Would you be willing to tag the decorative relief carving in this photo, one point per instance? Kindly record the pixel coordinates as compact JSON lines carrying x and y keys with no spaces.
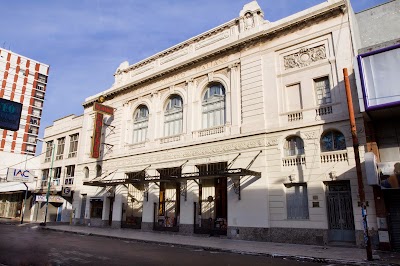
{"x":207,"y":151}
{"x":174,"y":56}
{"x":272,"y":142}
{"x":212,"y":40}
{"x":310,"y":135}
{"x":248,"y":21}
{"x":142,"y":70}
{"x":304,"y":57}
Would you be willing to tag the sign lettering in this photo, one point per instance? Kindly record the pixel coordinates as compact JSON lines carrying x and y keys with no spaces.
{"x":19,"y":175}
{"x":98,"y":125}
{"x":107,"y":110}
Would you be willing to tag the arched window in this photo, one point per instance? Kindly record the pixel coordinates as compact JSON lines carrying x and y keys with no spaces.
{"x":294,"y":145}
{"x":332,"y":140}
{"x":173,"y":116}
{"x":98,"y":170}
{"x":214,"y":106}
{"x":140,"y":124}
{"x":86,"y":172}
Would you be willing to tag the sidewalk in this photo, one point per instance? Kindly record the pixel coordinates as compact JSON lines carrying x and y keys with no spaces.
{"x":323,"y":254}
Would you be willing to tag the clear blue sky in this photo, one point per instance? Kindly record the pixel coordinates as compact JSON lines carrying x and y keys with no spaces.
{"x":84,"y":41}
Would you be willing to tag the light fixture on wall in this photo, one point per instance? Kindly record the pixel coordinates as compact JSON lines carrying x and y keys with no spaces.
{"x":332,"y":175}
{"x":292,"y":177}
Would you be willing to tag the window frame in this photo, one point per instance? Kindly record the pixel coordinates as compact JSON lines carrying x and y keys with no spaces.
{"x":60,"y":148}
{"x":173,"y":116}
{"x":290,"y":147}
{"x":324,"y":91}
{"x":297,"y":207}
{"x":140,"y":124}
{"x":73,"y":145}
{"x":49,"y":148}
{"x":213,"y":105}
{"x":323,"y":146}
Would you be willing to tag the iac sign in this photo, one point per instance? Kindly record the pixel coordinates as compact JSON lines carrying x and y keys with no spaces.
{"x":24,"y":174}
{"x":19,"y":175}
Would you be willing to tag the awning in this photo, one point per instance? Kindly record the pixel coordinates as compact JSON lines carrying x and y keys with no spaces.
{"x":141,"y":177}
{"x":15,"y":186}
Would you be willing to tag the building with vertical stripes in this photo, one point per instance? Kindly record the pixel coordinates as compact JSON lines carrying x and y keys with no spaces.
{"x":22,"y":80}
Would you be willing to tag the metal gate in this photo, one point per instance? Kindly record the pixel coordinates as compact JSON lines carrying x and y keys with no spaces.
{"x":340,"y":212}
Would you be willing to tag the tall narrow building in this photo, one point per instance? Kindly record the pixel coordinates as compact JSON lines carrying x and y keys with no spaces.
{"x":22,"y":80}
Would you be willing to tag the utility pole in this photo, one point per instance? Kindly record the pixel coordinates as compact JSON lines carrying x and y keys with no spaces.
{"x":356,"y":145}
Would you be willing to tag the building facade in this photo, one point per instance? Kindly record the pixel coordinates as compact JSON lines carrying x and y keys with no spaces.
{"x":377,"y":65}
{"x":240,"y":131}
{"x":24,"y":81}
{"x":58,"y":161}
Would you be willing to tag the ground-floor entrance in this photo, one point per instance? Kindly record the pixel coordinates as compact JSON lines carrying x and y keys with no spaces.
{"x":211,"y":211}
{"x":133,"y":211}
{"x":340,"y":212}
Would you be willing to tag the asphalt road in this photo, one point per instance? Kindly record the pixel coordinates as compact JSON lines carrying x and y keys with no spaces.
{"x":26,"y":245}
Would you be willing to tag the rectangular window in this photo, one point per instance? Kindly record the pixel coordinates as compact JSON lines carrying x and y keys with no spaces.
{"x":57,"y":176}
{"x":69,"y":178}
{"x":294,"y":101}
{"x":60,"y":148}
{"x":38,"y":103}
{"x":33,"y":130}
{"x":36,"y":112}
{"x":39,"y":94}
{"x":30,"y":148}
{"x":42,"y":78}
{"x":73,"y":145}
{"x":45,"y":176}
{"x":40,"y":87}
{"x":31,"y":139}
{"x":322,"y":90}
{"x":49,"y":147}
{"x":297,"y":201}
{"x":96,"y":208}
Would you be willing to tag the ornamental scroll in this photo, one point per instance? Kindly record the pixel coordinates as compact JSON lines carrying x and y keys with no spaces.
{"x":305,"y":57}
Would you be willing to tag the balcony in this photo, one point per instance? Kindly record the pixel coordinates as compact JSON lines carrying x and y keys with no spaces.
{"x":170,"y":139}
{"x":334,"y":156}
{"x":295,"y":116}
{"x":209,"y":131}
{"x":294,"y":160}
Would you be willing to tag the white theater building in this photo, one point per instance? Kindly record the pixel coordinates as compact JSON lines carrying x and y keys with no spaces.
{"x":241,"y":131}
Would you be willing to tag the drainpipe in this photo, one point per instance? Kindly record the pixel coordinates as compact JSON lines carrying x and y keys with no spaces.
{"x":361,"y":191}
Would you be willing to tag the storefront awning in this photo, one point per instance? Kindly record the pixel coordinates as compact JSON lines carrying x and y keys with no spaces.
{"x":141,"y":177}
{"x":15,"y":186}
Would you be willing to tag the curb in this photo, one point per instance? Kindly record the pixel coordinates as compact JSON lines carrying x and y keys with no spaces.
{"x":213,"y":249}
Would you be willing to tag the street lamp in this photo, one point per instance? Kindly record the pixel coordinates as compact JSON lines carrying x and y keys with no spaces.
{"x":48,"y":179}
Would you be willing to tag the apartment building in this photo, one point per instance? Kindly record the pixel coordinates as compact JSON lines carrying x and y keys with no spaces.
{"x":23,"y":82}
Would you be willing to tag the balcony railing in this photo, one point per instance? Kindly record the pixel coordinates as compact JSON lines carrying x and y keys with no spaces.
{"x":170,"y":139}
{"x":296,"y":116}
{"x":294,"y":160}
{"x":323,"y":111}
{"x":334,"y":156}
{"x":209,"y":131}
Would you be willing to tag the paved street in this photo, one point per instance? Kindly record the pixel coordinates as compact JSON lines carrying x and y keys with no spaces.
{"x":26,"y":245}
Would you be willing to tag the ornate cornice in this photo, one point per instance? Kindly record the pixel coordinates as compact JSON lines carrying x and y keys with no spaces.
{"x":328,"y":11}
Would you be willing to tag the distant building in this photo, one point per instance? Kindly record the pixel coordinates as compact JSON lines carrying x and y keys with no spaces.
{"x":24,"y":81}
